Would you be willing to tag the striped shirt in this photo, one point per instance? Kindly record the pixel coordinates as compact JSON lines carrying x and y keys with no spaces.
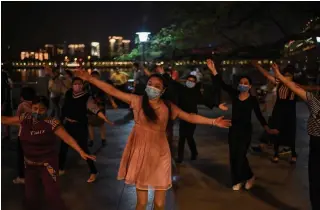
{"x":285,"y":93}
{"x":314,"y":120}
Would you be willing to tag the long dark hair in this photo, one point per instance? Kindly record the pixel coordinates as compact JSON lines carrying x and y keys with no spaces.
{"x":146,"y":107}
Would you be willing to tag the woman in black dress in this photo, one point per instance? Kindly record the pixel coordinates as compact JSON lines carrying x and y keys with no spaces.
{"x":284,"y":112}
{"x":241,"y":130}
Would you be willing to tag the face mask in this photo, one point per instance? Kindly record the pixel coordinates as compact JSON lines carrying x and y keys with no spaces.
{"x":243,"y":88}
{"x":39,"y":116}
{"x":190,"y":84}
{"x":152,"y":92}
{"x":77,"y":88}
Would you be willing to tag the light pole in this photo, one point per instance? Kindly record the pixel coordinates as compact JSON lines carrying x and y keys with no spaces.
{"x":143,"y":38}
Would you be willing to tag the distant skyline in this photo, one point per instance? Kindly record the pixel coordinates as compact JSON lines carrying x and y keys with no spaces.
{"x":28,"y":25}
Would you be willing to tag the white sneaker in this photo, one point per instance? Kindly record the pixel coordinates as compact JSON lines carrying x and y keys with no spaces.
{"x":249,"y":183}
{"x":18,"y":180}
{"x":237,"y":187}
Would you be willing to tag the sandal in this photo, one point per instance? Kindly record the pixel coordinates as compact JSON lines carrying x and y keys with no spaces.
{"x":92,"y":178}
{"x":275,"y":159}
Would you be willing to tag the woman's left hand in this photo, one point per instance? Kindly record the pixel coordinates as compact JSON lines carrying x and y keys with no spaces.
{"x":85,"y":156}
{"x":223,"y":107}
{"x":276,"y":70}
{"x":222,"y":123}
{"x":109,"y":122}
{"x":82,"y":74}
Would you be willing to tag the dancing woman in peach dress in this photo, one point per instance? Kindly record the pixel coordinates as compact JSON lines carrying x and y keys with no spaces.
{"x":146,"y":160}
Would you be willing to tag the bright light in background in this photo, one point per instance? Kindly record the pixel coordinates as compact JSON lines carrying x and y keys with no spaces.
{"x":143,"y":36}
{"x":318,"y":39}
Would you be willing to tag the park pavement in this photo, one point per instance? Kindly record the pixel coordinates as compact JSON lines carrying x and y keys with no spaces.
{"x":203,"y":184}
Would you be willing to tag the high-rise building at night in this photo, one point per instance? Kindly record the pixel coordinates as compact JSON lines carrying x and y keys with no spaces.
{"x":126,"y":46}
{"x":40,"y":55}
{"x":95,"y":49}
{"x":76,"y":50}
{"x":115,"y":46}
{"x":50,"y":50}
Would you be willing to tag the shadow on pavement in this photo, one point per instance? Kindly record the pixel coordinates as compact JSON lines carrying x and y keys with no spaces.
{"x":217,"y":171}
{"x":262,"y":194}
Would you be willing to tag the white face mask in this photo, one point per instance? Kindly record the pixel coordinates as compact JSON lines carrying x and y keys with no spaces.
{"x":190,"y":84}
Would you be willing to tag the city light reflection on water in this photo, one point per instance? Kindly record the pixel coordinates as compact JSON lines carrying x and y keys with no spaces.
{"x":31,"y":75}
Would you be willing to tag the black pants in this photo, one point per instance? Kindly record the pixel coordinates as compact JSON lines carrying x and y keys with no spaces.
{"x":186,"y":131}
{"x":56,"y":110}
{"x":39,"y":174}
{"x":20,"y":160}
{"x":314,"y":172}
{"x":239,"y":142}
{"x":79,"y":132}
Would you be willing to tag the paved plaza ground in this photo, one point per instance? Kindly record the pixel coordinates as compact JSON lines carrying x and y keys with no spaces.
{"x":203,"y":184}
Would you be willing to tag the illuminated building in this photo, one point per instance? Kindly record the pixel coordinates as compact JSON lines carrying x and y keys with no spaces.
{"x":50,"y":49}
{"x":115,"y":46}
{"x":40,"y":55}
{"x":76,"y":50}
{"x":126,"y":46}
{"x":95,"y":49}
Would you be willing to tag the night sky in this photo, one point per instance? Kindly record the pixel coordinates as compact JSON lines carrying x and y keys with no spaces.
{"x":30,"y":25}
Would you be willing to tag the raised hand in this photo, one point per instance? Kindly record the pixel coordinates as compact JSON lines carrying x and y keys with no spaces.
{"x":222,"y":123}
{"x":276,"y":70}
{"x":223,"y":107}
{"x":211,"y":65}
{"x":84,"y":75}
{"x":255,"y":63}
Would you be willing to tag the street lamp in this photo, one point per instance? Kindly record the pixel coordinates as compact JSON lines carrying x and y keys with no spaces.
{"x":143,"y":37}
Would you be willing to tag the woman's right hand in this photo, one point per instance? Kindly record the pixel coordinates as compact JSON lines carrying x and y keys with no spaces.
{"x":211,"y":65}
{"x":221,"y":122}
{"x":82,"y":74}
{"x":85,"y":156}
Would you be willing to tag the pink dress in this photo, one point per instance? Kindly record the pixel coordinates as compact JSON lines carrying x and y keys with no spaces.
{"x":146,"y":160}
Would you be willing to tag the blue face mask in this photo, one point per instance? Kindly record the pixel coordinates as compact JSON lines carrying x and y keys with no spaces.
{"x":39,"y":116}
{"x":190,"y":84}
{"x":152,"y":92}
{"x":243,"y":88}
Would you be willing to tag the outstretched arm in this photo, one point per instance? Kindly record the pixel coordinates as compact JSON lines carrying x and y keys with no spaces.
{"x":94,"y":108}
{"x":15,"y":120}
{"x":217,"y":80}
{"x":264,"y":72}
{"x":291,"y":85}
{"x":64,"y":136}
{"x":198,"y":119}
{"x":105,"y":87}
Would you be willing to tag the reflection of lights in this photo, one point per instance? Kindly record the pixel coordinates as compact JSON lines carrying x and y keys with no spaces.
{"x":288,"y":61}
{"x":62,"y":64}
{"x":49,"y":63}
{"x":112,"y":41}
{"x":318,"y":39}
{"x":89,"y":57}
{"x":143,"y":36}
{"x":24,"y":64}
{"x":75,"y":59}
{"x":259,"y":62}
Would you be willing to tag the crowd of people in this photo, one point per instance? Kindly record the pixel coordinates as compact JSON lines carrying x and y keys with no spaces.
{"x":158,"y":98}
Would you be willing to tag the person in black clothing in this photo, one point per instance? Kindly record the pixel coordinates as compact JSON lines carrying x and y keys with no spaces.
{"x":189,"y":96}
{"x":94,"y":121}
{"x":313,"y":102}
{"x":74,"y":114}
{"x":241,"y":130}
